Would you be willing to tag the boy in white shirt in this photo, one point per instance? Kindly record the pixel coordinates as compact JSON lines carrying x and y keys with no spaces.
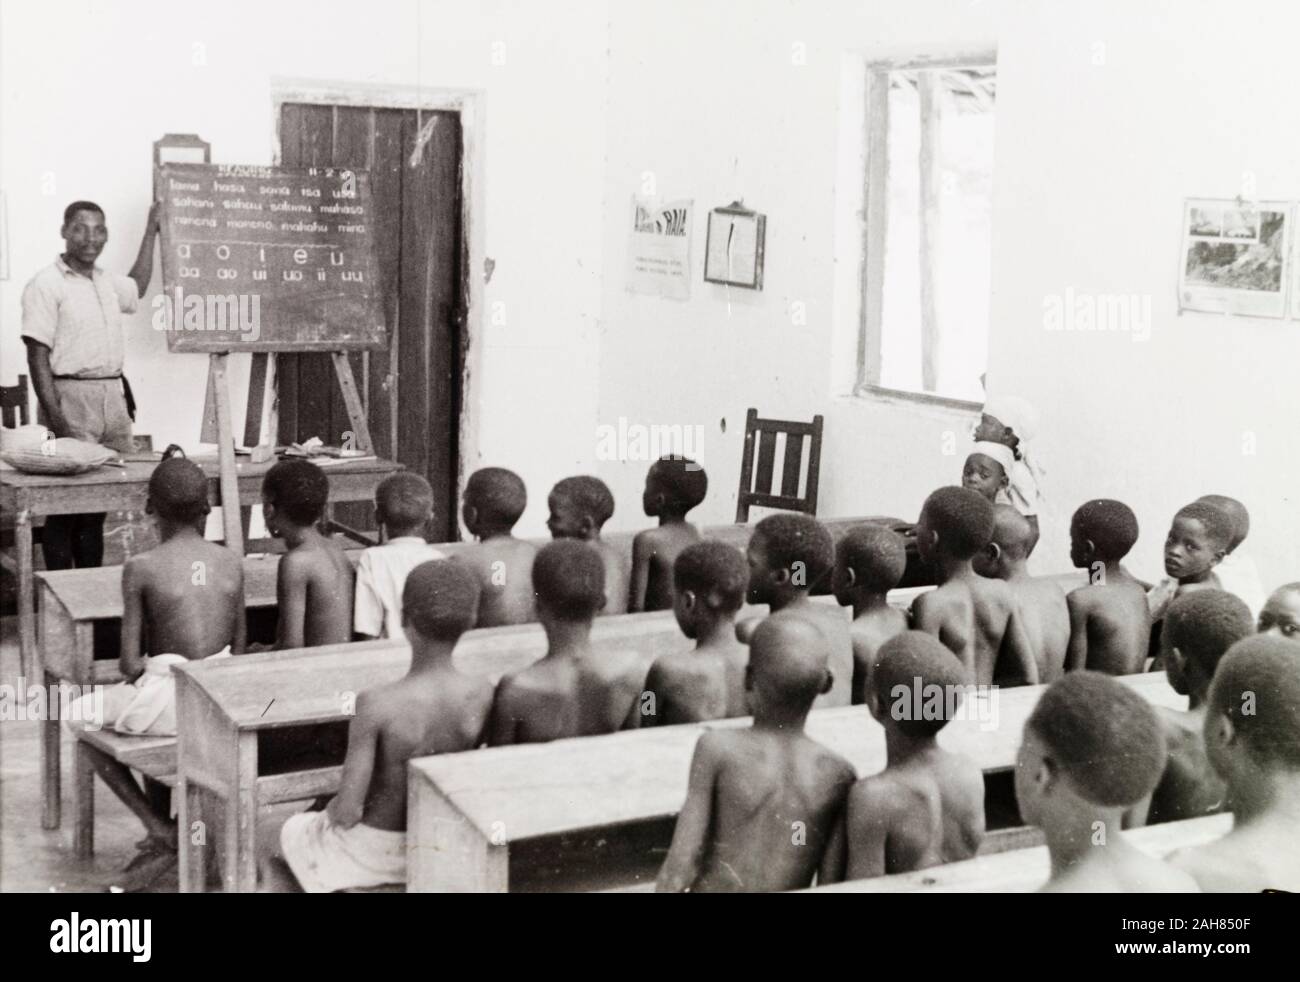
{"x":403,"y":507}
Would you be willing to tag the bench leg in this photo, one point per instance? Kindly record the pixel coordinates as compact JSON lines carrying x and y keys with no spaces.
{"x":51,"y":777}
{"x":83,"y":797}
{"x":194,"y":838}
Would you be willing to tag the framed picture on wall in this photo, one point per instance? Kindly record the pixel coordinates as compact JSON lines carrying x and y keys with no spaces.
{"x":1235,"y":257}
{"x":733,"y":254}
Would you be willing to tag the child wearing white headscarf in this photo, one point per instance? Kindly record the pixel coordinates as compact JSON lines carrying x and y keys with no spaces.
{"x":1012,"y":421}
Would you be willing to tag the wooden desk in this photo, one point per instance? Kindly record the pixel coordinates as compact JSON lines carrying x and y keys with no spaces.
{"x":29,"y":496}
{"x":69,"y":602}
{"x":467,"y":810}
{"x":1025,"y":870}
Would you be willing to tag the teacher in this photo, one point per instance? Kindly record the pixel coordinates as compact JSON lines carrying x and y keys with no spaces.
{"x":72,"y":326}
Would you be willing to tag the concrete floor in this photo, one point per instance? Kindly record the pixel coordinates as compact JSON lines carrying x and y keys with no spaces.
{"x":31,"y":858}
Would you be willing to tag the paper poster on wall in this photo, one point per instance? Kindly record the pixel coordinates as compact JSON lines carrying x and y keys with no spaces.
{"x":659,"y":249}
{"x":1235,"y":257}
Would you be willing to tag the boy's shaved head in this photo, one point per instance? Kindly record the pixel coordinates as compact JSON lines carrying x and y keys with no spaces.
{"x":1109,"y":525}
{"x":1012,"y":532}
{"x":1203,"y":625}
{"x":1102,"y":736}
{"x":569,"y":579}
{"x":588,"y":495}
{"x":298,"y":489}
{"x":682,"y":482}
{"x":1219,"y":526}
{"x":791,"y":538}
{"x":963,"y":519}
{"x":715,"y":572}
{"x":498,"y":495}
{"x":876,"y":554}
{"x":910,"y":662}
{"x":404,"y":500}
{"x":178,"y":489}
{"x":1236,"y":511}
{"x":788,"y":661}
{"x":440,"y":599}
{"x":1257,"y":686}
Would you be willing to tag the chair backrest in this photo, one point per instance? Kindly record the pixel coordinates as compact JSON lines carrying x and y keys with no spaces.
{"x":13,"y":403}
{"x":756,"y":471}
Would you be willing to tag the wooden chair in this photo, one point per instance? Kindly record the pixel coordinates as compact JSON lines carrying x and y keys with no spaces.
{"x":756,"y":481}
{"x":14,"y":404}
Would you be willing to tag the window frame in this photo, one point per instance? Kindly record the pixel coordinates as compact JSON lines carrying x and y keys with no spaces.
{"x":875,"y":220}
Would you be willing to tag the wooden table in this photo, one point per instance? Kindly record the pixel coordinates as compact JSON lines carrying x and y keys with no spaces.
{"x":467,"y":810}
{"x":105,"y":489}
{"x":68,"y":604}
{"x":1024,"y":870}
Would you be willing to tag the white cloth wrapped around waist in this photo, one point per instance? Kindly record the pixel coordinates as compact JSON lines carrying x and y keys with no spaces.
{"x":151,"y":706}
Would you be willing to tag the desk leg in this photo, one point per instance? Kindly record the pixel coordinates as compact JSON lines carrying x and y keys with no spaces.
{"x":83,"y":793}
{"x":240,"y":874}
{"x":193,"y":855}
{"x":51,"y":745}
{"x":26,"y":597}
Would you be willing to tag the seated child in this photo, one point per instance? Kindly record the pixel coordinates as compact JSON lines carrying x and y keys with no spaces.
{"x":707,"y":682}
{"x":580,"y":507}
{"x":986,"y":470}
{"x":1197,"y":542}
{"x":1252,"y":736}
{"x":927,"y":806}
{"x":359,"y":840}
{"x":1280,"y":615}
{"x":764,"y":807}
{"x":1013,"y":421}
{"x":673,"y":487}
{"x":977,"y":618}
{"x":494,"y":500}
{"x":1091,"y":749}
{"x":789,"y":554}
{"x":573,"y":690}
{"x":181,"y":600}
{"x":1198,"y":629}
{"x":1042,"y":601}
{"x":1110,"y":627}
{"x":869,"y":562}
{"x":314,"y":581}
{"x":403,"y":507}
{"x":1236,"y":572}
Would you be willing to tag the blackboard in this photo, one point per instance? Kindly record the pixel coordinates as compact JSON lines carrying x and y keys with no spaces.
{"x":268,"y":259}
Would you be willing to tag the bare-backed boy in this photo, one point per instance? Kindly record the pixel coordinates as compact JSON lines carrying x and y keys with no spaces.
{"x":1198,"y":539}
{"x":1110,"y":625}
{"x":403,"y":508}
{"x":1252,"y":735}
{"x":764,"y":806}
{"x":789,"y":555}
{"x":927,"y":806}
{"x":1042,"y":600}
{"x":494,"y":500}
{"x":580,"y":507}
{"x":574,"y":690}
{"x":869,"y":562}
{"x":359,"y":840}
{"x":708,"y":681}
{"x":977,"y":618}
{"x":1198,"y":629}
{"x":673,"y":487}
{"x":314,"y":584}
{"x":184,"y":600}
{"x":1093,"y":748}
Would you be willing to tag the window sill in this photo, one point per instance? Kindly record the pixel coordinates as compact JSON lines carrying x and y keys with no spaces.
{"x":901,"y":397}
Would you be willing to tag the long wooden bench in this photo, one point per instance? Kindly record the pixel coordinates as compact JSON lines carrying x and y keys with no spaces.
{"x":471,"y":813}
{"x":71,"y":602}
{"x":1024,"y":870}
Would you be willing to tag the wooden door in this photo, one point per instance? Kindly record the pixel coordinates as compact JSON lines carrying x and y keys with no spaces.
{"x":412,"y":390}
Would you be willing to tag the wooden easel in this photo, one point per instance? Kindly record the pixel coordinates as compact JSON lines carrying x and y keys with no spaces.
{"x":261,"y":425}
